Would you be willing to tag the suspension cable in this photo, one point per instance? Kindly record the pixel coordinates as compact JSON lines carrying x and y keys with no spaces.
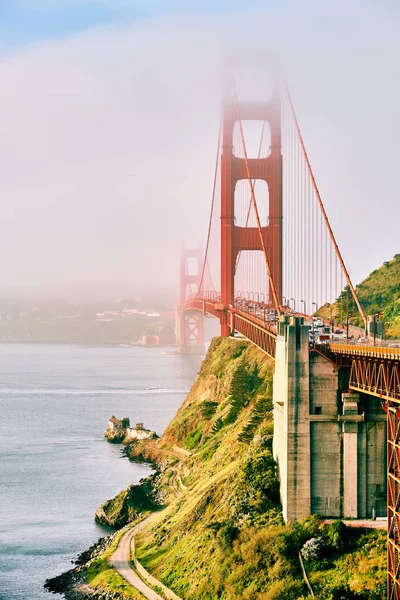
{"x":314,"y":184}
{"x":211,"y":210}
{"x":253,"y":199}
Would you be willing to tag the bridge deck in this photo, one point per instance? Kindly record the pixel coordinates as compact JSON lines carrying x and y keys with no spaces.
{"x":380,"y":352}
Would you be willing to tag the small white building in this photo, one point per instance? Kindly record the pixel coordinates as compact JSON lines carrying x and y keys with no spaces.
{"x":111,"y":425}
{"x":115,"y":424}
{"x":140,"y":433}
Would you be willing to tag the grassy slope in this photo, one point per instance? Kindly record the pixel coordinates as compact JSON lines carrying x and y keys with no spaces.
{"x":101,"y":575}
{"x":379,"y":292}
{"x":224,"y":538}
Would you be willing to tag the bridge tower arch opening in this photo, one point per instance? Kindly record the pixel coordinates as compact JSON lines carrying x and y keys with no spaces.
{"x":267,"y":167}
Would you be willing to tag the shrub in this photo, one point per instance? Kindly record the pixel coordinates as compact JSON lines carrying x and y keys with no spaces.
{"x":260,"y":473}
{"x":209,"y":451}
{"x":243,"y":383}
{"x":208,"y":409}
{"x":227,"y":535}
{"x":313,"y":549}
{"x":192,"y":440}
{"x":340,"y":592}
{"x":336,"y":534}
{"x":217,"y":425}
{"x":262,"y":408}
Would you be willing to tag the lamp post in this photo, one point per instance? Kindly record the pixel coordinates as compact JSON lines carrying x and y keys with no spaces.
{"x":304,"y":306}
{"x":347,"y":326}
{"x":376,"y":315}
{"x":312,"y":317}
{"x":374,"y":329}
{"x":294,"y":304}
{"x":330,"y":311}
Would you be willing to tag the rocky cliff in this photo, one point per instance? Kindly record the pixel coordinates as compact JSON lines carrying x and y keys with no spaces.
{"x":221,"y":535}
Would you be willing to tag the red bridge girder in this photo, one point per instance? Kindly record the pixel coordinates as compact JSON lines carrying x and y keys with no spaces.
{"x":393,"y":453}
{"x":254,"y":330}
{"x":258,"y":332}
{"x":377,"y":377}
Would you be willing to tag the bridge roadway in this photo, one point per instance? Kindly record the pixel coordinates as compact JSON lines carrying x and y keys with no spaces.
{"x":374,"y":369}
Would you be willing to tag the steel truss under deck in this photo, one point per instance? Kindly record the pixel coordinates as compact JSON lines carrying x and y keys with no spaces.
{"x":377,"y":377}
{"x":393,"y":453}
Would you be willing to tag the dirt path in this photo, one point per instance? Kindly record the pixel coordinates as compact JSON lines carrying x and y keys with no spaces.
{"x":121,"y":557}
{"x":368,"y":523}
{"x":120,"y":560}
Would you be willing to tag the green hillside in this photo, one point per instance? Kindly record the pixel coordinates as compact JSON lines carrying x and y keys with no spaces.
{"x":378,"y":293}
{"x":222,"y":537}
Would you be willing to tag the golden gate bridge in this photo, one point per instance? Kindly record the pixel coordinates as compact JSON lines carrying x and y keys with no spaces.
{"x":271,"y":257}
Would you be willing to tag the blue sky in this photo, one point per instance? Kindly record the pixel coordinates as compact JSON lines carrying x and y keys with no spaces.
{"x":26,"y":21}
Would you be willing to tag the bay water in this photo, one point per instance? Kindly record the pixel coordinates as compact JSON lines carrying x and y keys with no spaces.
{"x":55,"y":466}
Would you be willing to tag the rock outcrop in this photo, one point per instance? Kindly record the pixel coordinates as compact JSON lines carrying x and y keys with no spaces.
{"x":128,"y":505}
{"x":115,"y":437}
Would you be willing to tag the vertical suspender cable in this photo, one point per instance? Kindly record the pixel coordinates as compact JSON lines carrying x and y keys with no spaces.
{"x":350,"y":284}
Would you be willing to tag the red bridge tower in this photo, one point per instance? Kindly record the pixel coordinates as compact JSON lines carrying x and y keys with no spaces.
{"x":190,"y":322}
{"x":235,"y":239}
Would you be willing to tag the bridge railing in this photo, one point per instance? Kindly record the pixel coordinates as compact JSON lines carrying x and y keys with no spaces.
{"x":212,"y":295}
{"x":366,"y":349}
{"x":254,"y":329}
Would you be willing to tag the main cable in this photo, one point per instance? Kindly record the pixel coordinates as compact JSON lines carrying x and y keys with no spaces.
{"x":211,"y":211}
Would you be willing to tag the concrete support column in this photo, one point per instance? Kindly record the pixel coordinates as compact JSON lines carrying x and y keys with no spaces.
{"x":350,"y":454}
{"x":292,"y":417}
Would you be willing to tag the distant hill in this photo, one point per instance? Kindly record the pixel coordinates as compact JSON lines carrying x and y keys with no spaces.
{"x":378,"y":293}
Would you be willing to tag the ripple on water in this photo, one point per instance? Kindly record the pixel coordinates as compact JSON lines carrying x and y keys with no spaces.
{"x":56,"y":466}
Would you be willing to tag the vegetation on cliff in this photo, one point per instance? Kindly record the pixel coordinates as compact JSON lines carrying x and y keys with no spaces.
{"x":221,"y":535}
{"x":378,"y":293}
{"x":131,"y":504}
{"x":224,"y":538}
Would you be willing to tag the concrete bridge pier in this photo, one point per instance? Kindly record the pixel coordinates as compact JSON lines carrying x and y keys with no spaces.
{"x":329,"y":444}
{"x":292,"y":444}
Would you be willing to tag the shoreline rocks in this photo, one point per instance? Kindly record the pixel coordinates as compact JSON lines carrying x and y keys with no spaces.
{"x":115,"y":437}
{"x":127,"y":506}
{"x":73,"y":584}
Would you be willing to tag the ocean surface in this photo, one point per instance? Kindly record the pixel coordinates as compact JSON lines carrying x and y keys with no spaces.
{"x":55,"y":466}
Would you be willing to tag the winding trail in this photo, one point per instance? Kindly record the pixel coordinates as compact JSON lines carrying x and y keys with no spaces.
{"x":123,"y":556}
{"x":120,"y":560}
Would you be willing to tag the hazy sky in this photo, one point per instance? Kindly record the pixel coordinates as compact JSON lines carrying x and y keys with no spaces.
{"x":108,"y":125}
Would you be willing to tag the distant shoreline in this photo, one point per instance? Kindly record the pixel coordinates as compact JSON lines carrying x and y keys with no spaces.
{"x":88,"y":344}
